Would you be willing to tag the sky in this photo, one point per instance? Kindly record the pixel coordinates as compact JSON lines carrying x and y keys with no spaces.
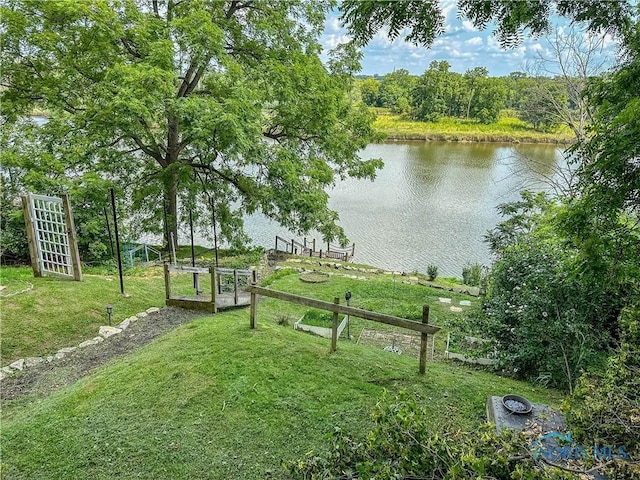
{"x":462,"y":45}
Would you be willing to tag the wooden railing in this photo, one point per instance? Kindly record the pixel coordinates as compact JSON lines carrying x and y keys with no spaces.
{"x":217,"y":297}
{"x":309,"y":249}
{"x":423,"y":327}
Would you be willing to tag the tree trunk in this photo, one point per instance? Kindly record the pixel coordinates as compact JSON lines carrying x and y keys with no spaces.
{"x":171,"y":205}
{"x":171,"y":182}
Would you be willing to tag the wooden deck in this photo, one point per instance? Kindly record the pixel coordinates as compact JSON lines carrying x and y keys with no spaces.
{"x":224,"y":301}
{"x":218,"y":298}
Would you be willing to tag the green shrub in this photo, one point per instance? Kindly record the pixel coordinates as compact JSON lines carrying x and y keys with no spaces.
{"x":404,"y":443}
{"x":473,"y":274}
{"x":432,"y":272}
{"x":605,"y":408}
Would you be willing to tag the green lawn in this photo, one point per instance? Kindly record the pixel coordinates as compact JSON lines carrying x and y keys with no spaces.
{"x":214,"y":399}
{"x":53,"y":312}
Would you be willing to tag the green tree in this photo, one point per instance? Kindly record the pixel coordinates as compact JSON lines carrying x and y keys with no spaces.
{"x":548,"y":318}
{"x":170,"y":98}
{"x":486,"y":95}
{"x":369,"y":88}
{"x":538,"y":105}
{"x":395,"y":90}
{"x":438,"y":92}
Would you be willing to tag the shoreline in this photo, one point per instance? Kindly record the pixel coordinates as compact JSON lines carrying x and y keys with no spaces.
{"x":472,"y":138}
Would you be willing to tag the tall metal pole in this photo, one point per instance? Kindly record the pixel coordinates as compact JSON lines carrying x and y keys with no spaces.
{"x":193,"y":251}
{"x":115,"y":228}
{"x":106,"y":219}
{"x":215,"y":231}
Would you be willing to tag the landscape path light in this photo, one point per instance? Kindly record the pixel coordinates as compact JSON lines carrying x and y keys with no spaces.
{"x":347,"y":297}
{"x":109,"y":310}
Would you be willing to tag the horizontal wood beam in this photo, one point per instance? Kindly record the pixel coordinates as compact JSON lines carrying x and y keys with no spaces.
{"x":343,"y":309}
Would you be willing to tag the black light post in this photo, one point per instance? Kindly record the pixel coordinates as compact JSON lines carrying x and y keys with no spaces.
{"x":109,"y":310}
{"x":347,"y":297}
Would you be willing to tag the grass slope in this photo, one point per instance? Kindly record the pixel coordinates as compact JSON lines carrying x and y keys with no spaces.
{"x":58,"y":312}
{"x":214,"y":399}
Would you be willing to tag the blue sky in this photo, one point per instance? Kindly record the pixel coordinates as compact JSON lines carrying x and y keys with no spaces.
{"x":462,"y":45}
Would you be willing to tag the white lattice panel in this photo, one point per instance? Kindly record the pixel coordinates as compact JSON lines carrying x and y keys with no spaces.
{"x":51,"y":239}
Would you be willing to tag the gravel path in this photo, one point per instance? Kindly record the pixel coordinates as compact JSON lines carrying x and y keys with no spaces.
{"x":41,"y":380}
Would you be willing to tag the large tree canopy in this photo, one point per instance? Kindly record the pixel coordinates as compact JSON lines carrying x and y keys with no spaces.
{"x":168,"y":98}
{"x":423,"y":20}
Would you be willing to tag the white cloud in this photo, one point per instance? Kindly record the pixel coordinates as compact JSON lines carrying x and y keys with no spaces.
{"x":468,"y":26}
{"x":475,"y":41}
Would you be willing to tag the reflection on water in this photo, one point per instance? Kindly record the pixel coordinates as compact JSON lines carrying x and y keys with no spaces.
{"x":431,"y":204}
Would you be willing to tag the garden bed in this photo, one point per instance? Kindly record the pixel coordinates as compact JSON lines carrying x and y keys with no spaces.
{"x":320,"y":323}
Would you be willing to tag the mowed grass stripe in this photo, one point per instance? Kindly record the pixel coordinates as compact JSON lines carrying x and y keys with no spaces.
{"x":214,"y":399}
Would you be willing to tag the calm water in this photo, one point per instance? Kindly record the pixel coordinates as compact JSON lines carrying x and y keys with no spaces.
{"x":431,"y":204}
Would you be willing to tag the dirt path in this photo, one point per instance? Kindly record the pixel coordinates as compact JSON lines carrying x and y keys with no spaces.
{"x":43,"y":379}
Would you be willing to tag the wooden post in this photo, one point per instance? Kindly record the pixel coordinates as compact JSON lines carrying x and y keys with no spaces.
{"x":292,"y":246}
{"x":212,"y":270}
{"x":314,"y":244}
{"x":167,"y":282}
{"x":218,"y":277}
{"x":276,"y":243}
{"x":235,"y":287}
{"x":71,"y":235}
{"x":334,"y":327}
{"x":423,"y":341}
{"x":254,"y":302}
{"x":31,"y":239}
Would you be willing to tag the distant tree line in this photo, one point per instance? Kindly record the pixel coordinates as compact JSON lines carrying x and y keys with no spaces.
{"x":440,"y":92}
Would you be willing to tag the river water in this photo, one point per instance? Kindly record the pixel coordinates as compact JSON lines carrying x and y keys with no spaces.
{"x":432,"y":203}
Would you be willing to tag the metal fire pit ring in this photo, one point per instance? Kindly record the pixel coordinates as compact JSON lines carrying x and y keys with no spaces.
{"x":516,"y":404}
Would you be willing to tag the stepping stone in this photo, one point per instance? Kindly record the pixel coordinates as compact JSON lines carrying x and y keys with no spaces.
{"x":455,"y":309}
{"x":444,"y":300}
{"x":17,"y":365}
{"x":124,"y":324}
{"x":465,"y":303}
{"x":32,"y":361}
{"x":87,"y":343}
{"x":106,"y":331}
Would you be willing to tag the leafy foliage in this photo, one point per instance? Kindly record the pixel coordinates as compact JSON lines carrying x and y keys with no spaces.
{"x":424,"y":19}
{"x":545,"y":308}
{"x":432,"y":272}
{"x":605,"y":407}
{"x":403,"y":443}
{"x":223,"y":105}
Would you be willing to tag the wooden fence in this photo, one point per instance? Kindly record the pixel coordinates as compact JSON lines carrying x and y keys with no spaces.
{"x":423,"y":327}
{"x":309,"y":249}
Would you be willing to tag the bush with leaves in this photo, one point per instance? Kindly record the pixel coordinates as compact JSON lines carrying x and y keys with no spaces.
{"x":432,"y":272}
{"x":605,"y":408}
{"x":404,"y":443}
